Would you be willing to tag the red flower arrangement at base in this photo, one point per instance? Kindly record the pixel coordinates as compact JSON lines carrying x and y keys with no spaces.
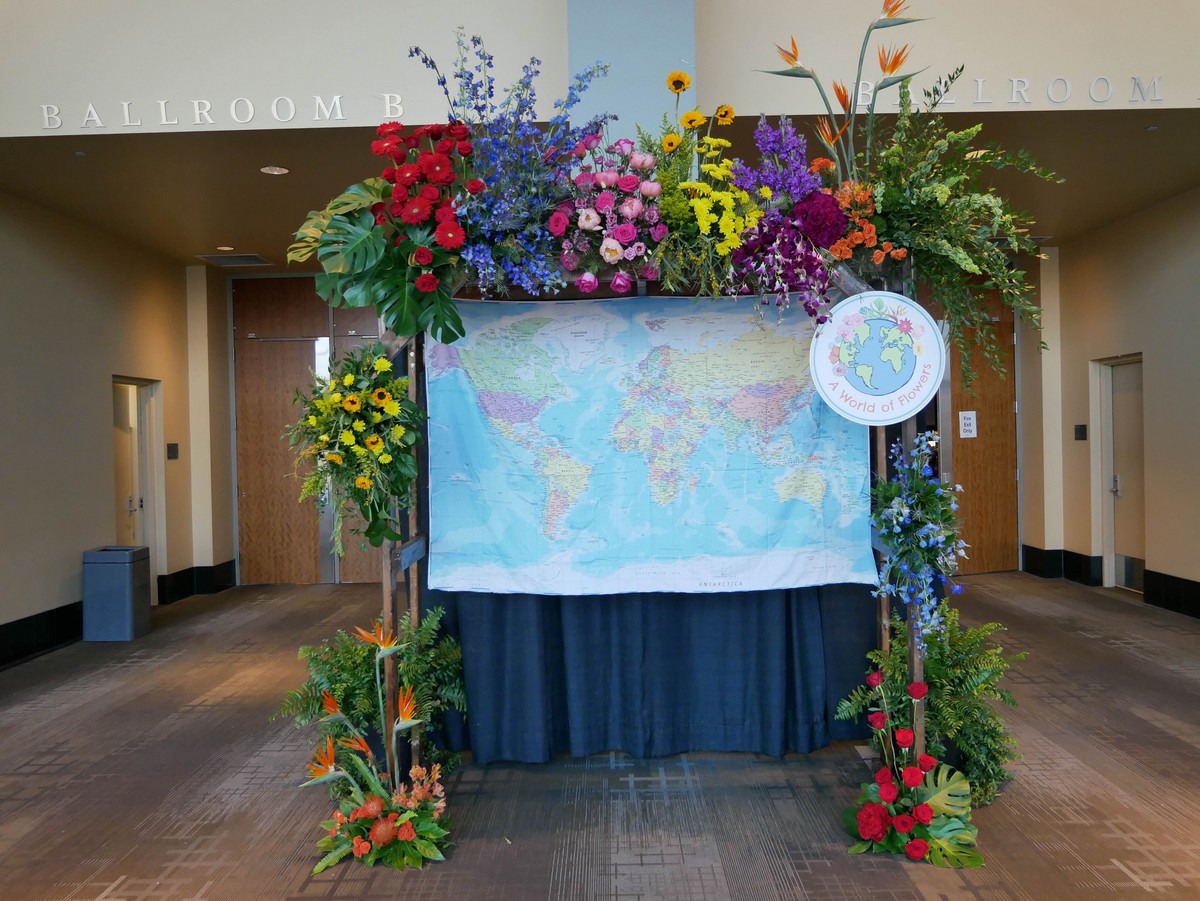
{"x":915,"y":805}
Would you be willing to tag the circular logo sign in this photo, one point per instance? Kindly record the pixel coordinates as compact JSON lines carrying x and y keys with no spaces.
{"x":879,"y":359}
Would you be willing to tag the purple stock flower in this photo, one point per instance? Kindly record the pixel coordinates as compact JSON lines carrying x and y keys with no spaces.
{"x":784,"y":164}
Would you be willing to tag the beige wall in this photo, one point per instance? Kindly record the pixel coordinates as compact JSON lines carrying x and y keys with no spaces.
{"x":78,"y":308}
{"x":1131,"y":288}
{"x":220,"y":419}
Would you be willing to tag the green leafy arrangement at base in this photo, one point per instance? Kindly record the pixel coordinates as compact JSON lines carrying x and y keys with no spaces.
{"x":357,"y":430}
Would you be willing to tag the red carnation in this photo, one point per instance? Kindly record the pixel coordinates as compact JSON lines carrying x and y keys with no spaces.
{"x":389,"y":128}
{"x":423,"y":256}
{"x":877,"y":720}
{"x":888,"y":793}
{"x":388,"y":175}
{"x":416,"y":211}
{"x":450,"y":235}
{"x":475,"y":186}
{"x":408,"y":174}
{"x":382,"y":833}
{"x":465,"y":148}
{"x":405,"y":831}
{"x":912,"y":776}
{"x":917,"y":849}
{"x":926,"y":763}
{"x":444,"y":146}
{"x":874,"y":679}
{"x":399,"y":192}
{"x":435,"y":132}
{"x":430,"y":193}
{"x":411,"y":142}
{"x":446,"y":213}
{"x":884,"y":776}
{"x":917,"y":690}
{"x":904,"y":738}
{"x":903,"y":823}
{"x":923,"y":814}
{"x":426,"y":283}
{"x":873,"y":822}
{"x":458,"y":131}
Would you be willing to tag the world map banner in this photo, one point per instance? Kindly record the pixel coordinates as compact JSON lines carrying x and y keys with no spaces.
{"x":639,"y":445}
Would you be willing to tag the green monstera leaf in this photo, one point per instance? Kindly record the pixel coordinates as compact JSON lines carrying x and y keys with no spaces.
{"x":952,"y":844}
{"x":948,"y":792}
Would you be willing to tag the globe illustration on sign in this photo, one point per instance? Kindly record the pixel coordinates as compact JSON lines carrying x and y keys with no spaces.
{"x":878,"y":355}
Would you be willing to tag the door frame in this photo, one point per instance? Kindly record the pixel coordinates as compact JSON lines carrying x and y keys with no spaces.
{"x":1103,"y":499}
{"x":151,"y":453}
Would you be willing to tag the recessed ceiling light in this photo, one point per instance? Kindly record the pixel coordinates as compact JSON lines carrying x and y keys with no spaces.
{"x":225,"y":247}
{"x":1151,"y":128}
{"x":274,"y":170}
{"x":81,"y":153}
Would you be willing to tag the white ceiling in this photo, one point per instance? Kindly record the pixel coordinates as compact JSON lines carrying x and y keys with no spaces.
{"x":183,"y":195}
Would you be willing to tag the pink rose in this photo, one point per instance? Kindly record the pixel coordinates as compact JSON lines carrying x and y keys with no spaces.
{"x":649,"y":271}
{"x":558,"y":223}
{"x":631,"y":208}
{"x":628,"y":183}
{"x":642,"y":161}
{"x":605,"y":201}
{"x":658,"y":232}
{"x":623,"y":146}
{"x":620,"y":283}
{"x":585,"y":180}
{"x":606,"y":178}
{"x":589,"y":220}
{"x":580,"y":151}
{"x":626,"y":233}
{"x":587,"y":282}
{"x":591,"y":142}
{"x":651,"y":189}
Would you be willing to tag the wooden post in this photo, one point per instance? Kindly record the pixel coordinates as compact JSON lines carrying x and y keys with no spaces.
{"x":412,"y":576}
{"x":916,"y":673}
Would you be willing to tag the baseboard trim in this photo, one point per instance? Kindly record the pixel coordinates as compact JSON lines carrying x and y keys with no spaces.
{"x":1172,"y":593}
{"x":1039,"y":562}
{"x":34,"y":635}
{"x":196,"y":580}
{"x":1083,"y":569}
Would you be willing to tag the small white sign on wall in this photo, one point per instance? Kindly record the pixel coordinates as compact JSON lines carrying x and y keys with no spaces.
{"x":966,"y":424}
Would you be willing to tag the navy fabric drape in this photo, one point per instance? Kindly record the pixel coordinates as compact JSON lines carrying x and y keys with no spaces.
{"x":656,"y":674}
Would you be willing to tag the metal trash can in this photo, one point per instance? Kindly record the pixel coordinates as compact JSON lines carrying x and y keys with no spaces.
{"x":116,"y":593}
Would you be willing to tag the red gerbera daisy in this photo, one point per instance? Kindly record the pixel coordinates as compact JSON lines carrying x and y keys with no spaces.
{"x":408,"y":175}
{"x":450,"y":235}
{"x":416,"y":210}
{"x":437,"y":168}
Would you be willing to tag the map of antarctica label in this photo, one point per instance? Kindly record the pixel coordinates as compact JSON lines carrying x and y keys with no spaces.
{"x":879,"y":359}
{"x":640,"y":445}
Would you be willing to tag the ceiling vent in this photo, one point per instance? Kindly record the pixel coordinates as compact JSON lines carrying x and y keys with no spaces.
{"x":234,"y":260}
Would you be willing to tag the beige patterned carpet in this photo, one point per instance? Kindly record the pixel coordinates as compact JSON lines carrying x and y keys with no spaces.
{"x":149,"y":771}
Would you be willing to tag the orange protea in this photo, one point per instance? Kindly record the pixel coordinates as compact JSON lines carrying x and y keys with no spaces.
{"x":372,"y":807}
{"x":825,"y":131}
{"x":382,"y":833}
{"x":356,"y":744}
{"x":893,"y":9}
{"x":791,"y":57}
{"x":377,"y":637}
{"x":891,"y":59}
{"x":323,"y":760}
{"x":329,"y":702}
{"x":843,"y":96}
{"x":407,"y":704}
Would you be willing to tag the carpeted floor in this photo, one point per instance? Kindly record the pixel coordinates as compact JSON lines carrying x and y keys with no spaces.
{"x":150,"y":771}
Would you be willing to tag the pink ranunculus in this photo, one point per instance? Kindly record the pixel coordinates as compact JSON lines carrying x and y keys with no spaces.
{"x":606,"y":178}
{"x":631,"y":208}
{"x":585,"y":180}
{"x":643,"y":162}
{"x":624,"y":146}
{"x":611,"y":251}
{"x":626,"y":233}
{"x":621,"y":283}
{"x":605,"y":201}
{"x":558,"y":223}
{"x":591,"y":142}
{"x":659,"y":231}
{"x":650,"y":189}
{"x":628,"y":183}
{"x":587,"y":282}
{"x":589,"y":220}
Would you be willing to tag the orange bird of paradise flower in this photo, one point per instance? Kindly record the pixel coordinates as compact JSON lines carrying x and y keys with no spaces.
{"x":323,"y":761}
{"x":406,"y":706}
{"x":891,"y":59}
{"x":356,"y":744}
{"x":893,"y":9}
{"x":792,"y":57}
{"x":329,"y":702}
{"x":377,"y":637}
{"x":843,"y":96}
{"x":825,"y":131}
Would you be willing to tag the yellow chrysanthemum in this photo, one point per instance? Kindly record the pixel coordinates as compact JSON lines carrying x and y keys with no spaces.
{"x":325,"y":438}
{"x":716,"y":143}
{"x":392,"y":408}
{"x":364,"y":483}
{"x":671,"y":142}
{"x":347,"y":437}
{"x":678,"y":82}
{"x":336,"y":397}
{"x":724,"y":114}
{"x":765,"y":192}
{"x":358,"y":425}
{"x":359,"y":451}
{"x":385,"y":458}
{"x":398,"y":432}
{"x":375,"y":445}
{"x":312,"y":421}
{"x":692,"y":119}
{"x":382,"y":364}
{"x":715,"y":171}
{"x":376,"y":417}
{"x":701,"y":188}
{"x":348,"y":379}
{"x":335,"y":459}
{"x":352,"y":404}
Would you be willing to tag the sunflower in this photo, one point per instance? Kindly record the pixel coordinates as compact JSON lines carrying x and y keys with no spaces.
{"x":678,"y":82}
{"x":724,"y":114}
{"x":375,"y":445}
{"x":380,"y":396}
{"x":671,"y":142}
{"x":336,"y":459}
{"x":364,"y":483}
{"x":693,"y":119}
{"x":351,"y":403}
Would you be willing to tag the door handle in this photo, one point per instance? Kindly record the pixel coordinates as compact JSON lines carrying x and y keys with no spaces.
{"x":1116,"y":485}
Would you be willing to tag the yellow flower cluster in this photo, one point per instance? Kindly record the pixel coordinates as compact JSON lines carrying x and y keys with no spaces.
{"x":716,"y":201}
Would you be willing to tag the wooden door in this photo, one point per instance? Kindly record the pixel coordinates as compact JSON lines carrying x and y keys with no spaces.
{"x":276,"y":326}
{"x":986,"y":465}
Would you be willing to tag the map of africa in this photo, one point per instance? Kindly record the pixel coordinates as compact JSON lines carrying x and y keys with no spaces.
{"x":648,"y":444}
